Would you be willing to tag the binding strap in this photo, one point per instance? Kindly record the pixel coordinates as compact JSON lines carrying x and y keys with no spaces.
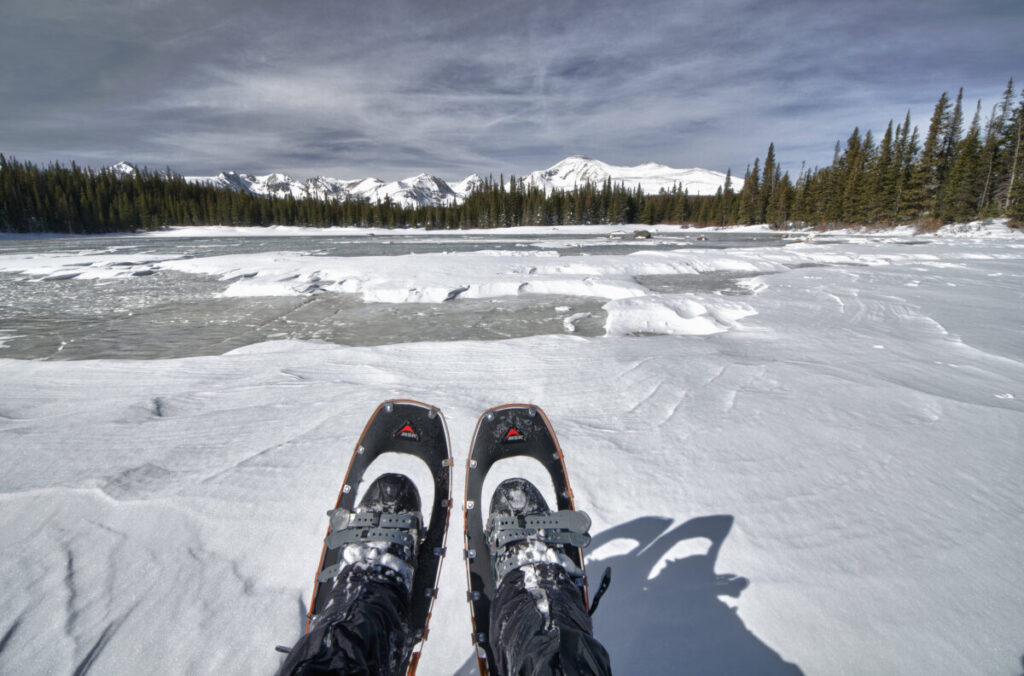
{"x":564,"y":527}
{"x":348,"y":528}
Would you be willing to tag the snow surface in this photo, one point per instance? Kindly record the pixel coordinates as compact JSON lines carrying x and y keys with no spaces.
{"x":823,"y":473}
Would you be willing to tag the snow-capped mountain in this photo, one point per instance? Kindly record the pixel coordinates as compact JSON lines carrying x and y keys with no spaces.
{"x":122,"y":169}
{"x":421,"y":190}
{"x":578,"y":170}
{"x":429,"y":190}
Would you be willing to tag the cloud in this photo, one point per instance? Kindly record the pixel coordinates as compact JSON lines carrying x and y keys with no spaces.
{"x":395,"y":87}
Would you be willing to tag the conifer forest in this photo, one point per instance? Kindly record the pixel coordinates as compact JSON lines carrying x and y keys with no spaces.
{"x":967,"y":164}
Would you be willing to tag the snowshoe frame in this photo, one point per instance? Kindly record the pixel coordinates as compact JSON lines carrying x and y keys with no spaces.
{"x":419,"y":430}
{"x":505,"y":431}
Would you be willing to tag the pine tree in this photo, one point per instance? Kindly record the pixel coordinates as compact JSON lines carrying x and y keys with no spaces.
{"x":994,"y":154}
{"x":882,"y":188}
{"x":1014,"y":205}
{"x":750,"y":195}
{"x":769,"y":181}
{"x":929,"y":172}
{"x":963,"y":186}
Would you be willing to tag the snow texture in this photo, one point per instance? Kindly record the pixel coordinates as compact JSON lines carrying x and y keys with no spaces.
{"x":824,"y":473}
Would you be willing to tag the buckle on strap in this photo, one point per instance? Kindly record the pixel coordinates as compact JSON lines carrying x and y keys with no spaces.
{"x":343,"y":518}
{"x":355,"y":534}
{"x":348,"y":527}
{"x":565,"y":527}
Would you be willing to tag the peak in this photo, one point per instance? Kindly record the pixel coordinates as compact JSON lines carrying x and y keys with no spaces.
{"x":276,"y":177}
{"x":576,"y":159}
{"x":123,"y":167}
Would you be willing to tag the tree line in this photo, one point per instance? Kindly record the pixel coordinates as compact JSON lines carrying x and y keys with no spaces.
{"x":951,"y":175}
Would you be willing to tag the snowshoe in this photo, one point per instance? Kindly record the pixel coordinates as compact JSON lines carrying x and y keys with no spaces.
{"x":521,"y":531}
{"x":384,"y":539}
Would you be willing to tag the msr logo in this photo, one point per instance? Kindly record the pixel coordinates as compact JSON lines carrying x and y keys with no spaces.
{"x":408,"y":432}
{"x":513,"y":434}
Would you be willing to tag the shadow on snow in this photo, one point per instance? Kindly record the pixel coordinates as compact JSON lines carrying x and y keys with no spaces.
{"x":675,"y":622}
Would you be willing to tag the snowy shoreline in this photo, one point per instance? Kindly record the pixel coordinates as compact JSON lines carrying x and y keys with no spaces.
{"x":986,"y":228}
{"x":828,"y":479}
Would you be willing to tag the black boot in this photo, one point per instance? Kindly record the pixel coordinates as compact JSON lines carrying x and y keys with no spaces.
{"x":363,"y":627}
{"x":514,"y":498}
{"x":539,"y":621}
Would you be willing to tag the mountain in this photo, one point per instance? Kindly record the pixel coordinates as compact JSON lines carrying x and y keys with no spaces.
{"x":122,"y":169}
{"x":578,"y":170}
{"x":421,"y":190}
{"x":429,"y":190}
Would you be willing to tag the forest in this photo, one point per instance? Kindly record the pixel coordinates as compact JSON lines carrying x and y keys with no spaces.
{"x":956,"y":172}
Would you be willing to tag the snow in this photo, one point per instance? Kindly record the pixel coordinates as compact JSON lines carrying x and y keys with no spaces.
{"x":824,"y":472}
{"x":577,"y":171}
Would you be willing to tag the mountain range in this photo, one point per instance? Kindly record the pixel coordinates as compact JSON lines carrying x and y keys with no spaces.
{"x":429,"y":190}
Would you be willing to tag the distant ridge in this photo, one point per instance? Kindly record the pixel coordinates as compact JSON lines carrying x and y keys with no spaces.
{"x":428,"y":190}
{"x":578,"y":170}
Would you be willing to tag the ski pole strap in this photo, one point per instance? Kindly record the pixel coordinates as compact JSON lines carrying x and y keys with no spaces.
{"x":606,"y":581}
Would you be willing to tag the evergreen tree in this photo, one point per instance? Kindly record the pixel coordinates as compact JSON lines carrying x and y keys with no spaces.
{"x":750,"y":195}
{"x":963,"y":187}
{"x":1014,"y":205}
{"x":882,"y":187}
{"x":929,"y":172}
{"x":768,"y":183}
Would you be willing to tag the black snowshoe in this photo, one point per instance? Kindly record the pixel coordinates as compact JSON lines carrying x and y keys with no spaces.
{"x":523,"y":544}
{"x":379,"y":557}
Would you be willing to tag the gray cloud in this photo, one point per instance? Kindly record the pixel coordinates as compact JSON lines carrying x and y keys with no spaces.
{"x":395,"y":87}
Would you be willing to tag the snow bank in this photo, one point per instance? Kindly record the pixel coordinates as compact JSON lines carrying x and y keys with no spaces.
{"x":672,"y":315}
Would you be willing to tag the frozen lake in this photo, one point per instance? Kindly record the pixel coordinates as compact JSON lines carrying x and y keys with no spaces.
{"x":142,"y":311}
{"x":801,"y":454}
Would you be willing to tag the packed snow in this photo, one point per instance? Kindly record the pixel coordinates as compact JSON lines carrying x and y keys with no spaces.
{"x":820,"y":473}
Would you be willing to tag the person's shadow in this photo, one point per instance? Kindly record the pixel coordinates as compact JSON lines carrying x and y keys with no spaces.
{"x":675,"y":622}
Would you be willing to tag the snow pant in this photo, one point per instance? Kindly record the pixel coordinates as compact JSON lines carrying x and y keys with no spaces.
{"x":538,"y":619}
{"x":363,"y":631}
{"x":541,"y":627}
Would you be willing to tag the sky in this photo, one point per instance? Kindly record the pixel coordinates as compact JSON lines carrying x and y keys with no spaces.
{"x":392,"y":88}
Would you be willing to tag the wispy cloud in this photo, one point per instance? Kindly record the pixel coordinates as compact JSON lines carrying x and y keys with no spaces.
{"x":395,"y":87}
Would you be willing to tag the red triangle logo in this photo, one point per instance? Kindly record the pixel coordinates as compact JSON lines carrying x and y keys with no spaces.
{"x":514,"y":435}
{"x":407,"y":432}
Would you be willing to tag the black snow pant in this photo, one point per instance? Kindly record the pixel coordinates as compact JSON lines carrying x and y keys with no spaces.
{"x":541,"y":627}
{"x":363,"y":631}
{"x":539,"y":621}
